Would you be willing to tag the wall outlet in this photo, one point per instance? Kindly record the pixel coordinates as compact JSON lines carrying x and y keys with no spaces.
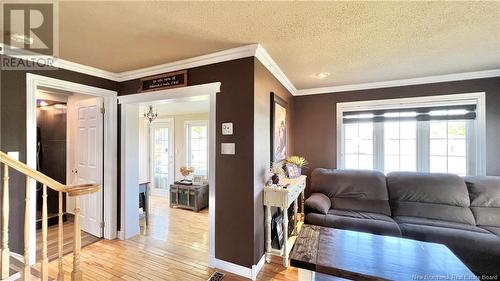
{"x":227,"y":129}
{"x":228,"y":148}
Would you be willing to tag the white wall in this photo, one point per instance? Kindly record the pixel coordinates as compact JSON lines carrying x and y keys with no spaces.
{"x":180,"y":143}
{"x":143,"y":150}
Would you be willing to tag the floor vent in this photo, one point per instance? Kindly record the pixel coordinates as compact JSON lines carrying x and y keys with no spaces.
{"x":216,"y":276}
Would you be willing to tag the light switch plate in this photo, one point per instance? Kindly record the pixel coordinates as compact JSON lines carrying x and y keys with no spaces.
{"x":228,"y":148}
{"x":227,"y":129}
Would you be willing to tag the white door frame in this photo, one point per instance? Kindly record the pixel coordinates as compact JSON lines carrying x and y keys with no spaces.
{"x":160,"y":123}
{"x":34,"y":81}
{"x":176,"y":94}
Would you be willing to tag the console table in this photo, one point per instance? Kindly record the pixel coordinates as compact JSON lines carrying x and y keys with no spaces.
{"x":282,"y":197}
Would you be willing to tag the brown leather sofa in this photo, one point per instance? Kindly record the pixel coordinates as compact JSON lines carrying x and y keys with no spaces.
{"x":463,"y":214}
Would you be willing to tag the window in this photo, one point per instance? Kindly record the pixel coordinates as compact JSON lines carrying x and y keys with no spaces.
{"x":197,"y":146}
{"x":430,"y":134}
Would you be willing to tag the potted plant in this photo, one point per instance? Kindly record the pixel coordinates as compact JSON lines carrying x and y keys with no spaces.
{"x":299,"y":161}
{"x":277,"y":171}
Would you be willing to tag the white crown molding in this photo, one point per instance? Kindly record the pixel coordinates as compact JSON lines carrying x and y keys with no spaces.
{"x":401,"y":82}
{"x":85,"y":69}
{"x":263,"y":56}
{"x":226,"y":55}
{"x":258,"y":51}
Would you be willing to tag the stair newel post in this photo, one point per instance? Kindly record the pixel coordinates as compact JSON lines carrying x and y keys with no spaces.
{"x":27,"y":269}
{"x":76,"y":275}
{"x":60,"y":274}
{"x":5,"y":270}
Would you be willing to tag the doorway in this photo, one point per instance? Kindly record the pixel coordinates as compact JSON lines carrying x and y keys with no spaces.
{"x":130,"y":178}
{"x":88,"y":154}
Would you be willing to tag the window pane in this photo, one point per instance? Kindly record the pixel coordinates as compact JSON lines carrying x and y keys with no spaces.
{"x":358,"y":146}
{"x":438,"y":129}
{"x":351,"y":146}
{"x":457,"y":147}
{"x":391,"y":130}
{"x":351,"y":161}
{"x":391,"y":163}
{"x":408,"y":147}
{"x":351,"y":131}
{"x":400,"y":145}
{"x":456,"y":129}
{"x":408,"y":163}
{"x":438,"y":147}
{"x":366,"y":147}
{"x":438,"y":164}
{"x":366,"y":162}
{"x":366,"y":130}
{"x":198,"y":148}
{"x":457,"y":165}
{"x":408,"y":130}
{"x":391,"y":147}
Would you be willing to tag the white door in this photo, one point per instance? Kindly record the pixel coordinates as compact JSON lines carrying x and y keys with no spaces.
{"x":162,"y":156}
{"x":86,"y":146}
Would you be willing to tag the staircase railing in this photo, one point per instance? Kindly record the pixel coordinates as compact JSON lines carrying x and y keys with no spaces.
{"x":75,"y":191}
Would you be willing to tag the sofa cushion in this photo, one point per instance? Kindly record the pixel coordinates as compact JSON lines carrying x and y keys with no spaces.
{"x":480,"y":251}
{"x":492,"y":229}
{"x":357,"y":190}
{"x":434,"y":196}
{"x":357,"y":221}
{"x":484,"y":194}
{"x":317,"y":203}
{"x":438,"y":223}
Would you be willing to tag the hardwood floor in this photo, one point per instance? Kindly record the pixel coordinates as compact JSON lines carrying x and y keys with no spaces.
{"x":174,"y":247}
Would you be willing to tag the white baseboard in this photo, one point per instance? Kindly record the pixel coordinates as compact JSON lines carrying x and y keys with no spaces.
{"x":256,"y":268}
{"x":120,"y":235}
{"x":246,"y":272}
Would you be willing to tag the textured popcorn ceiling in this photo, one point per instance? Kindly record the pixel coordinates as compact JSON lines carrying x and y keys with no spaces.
{"x":356,"y":42}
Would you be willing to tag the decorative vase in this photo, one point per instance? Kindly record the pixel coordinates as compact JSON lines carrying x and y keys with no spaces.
{"x":299,"y":171}
{"x":275,"y":178}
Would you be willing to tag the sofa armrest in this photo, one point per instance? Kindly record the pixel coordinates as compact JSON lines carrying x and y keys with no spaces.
{"x":318,"y":203}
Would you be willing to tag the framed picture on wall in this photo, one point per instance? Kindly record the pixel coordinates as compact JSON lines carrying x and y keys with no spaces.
{"x":279,"y":128}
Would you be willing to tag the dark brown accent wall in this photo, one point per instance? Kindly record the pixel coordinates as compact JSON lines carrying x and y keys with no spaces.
{"x":315,"y":131}
{"x":13,"y":131}
{"x":265,"y":83}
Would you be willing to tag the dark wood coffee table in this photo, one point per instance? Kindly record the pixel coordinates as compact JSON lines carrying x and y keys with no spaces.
{"x":363,"y":256}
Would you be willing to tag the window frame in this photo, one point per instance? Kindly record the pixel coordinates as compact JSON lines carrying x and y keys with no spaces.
{"x":422,"y":142}
{"x":187,"y":142}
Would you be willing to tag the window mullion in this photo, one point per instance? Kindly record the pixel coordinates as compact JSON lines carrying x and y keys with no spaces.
{"x":378,"y":146}
{"x":423,"y":146}
{"x":471,"y":148}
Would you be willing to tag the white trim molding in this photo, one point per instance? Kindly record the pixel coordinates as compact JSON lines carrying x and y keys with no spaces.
{"x":226,"y":55}
{"x":34,"y":81}
{"x":250,"y":273}
{"x":402,"y":82}
{"x":263,"y":56}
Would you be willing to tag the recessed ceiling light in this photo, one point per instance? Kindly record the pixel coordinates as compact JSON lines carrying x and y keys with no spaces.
{"x":322,"y":75}
{"x":43,"y":103}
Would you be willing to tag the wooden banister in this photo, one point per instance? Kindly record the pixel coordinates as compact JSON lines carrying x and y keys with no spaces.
{"x":26,"y":271}
{"x":34,"y":174}
{"x":71,"y":190}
